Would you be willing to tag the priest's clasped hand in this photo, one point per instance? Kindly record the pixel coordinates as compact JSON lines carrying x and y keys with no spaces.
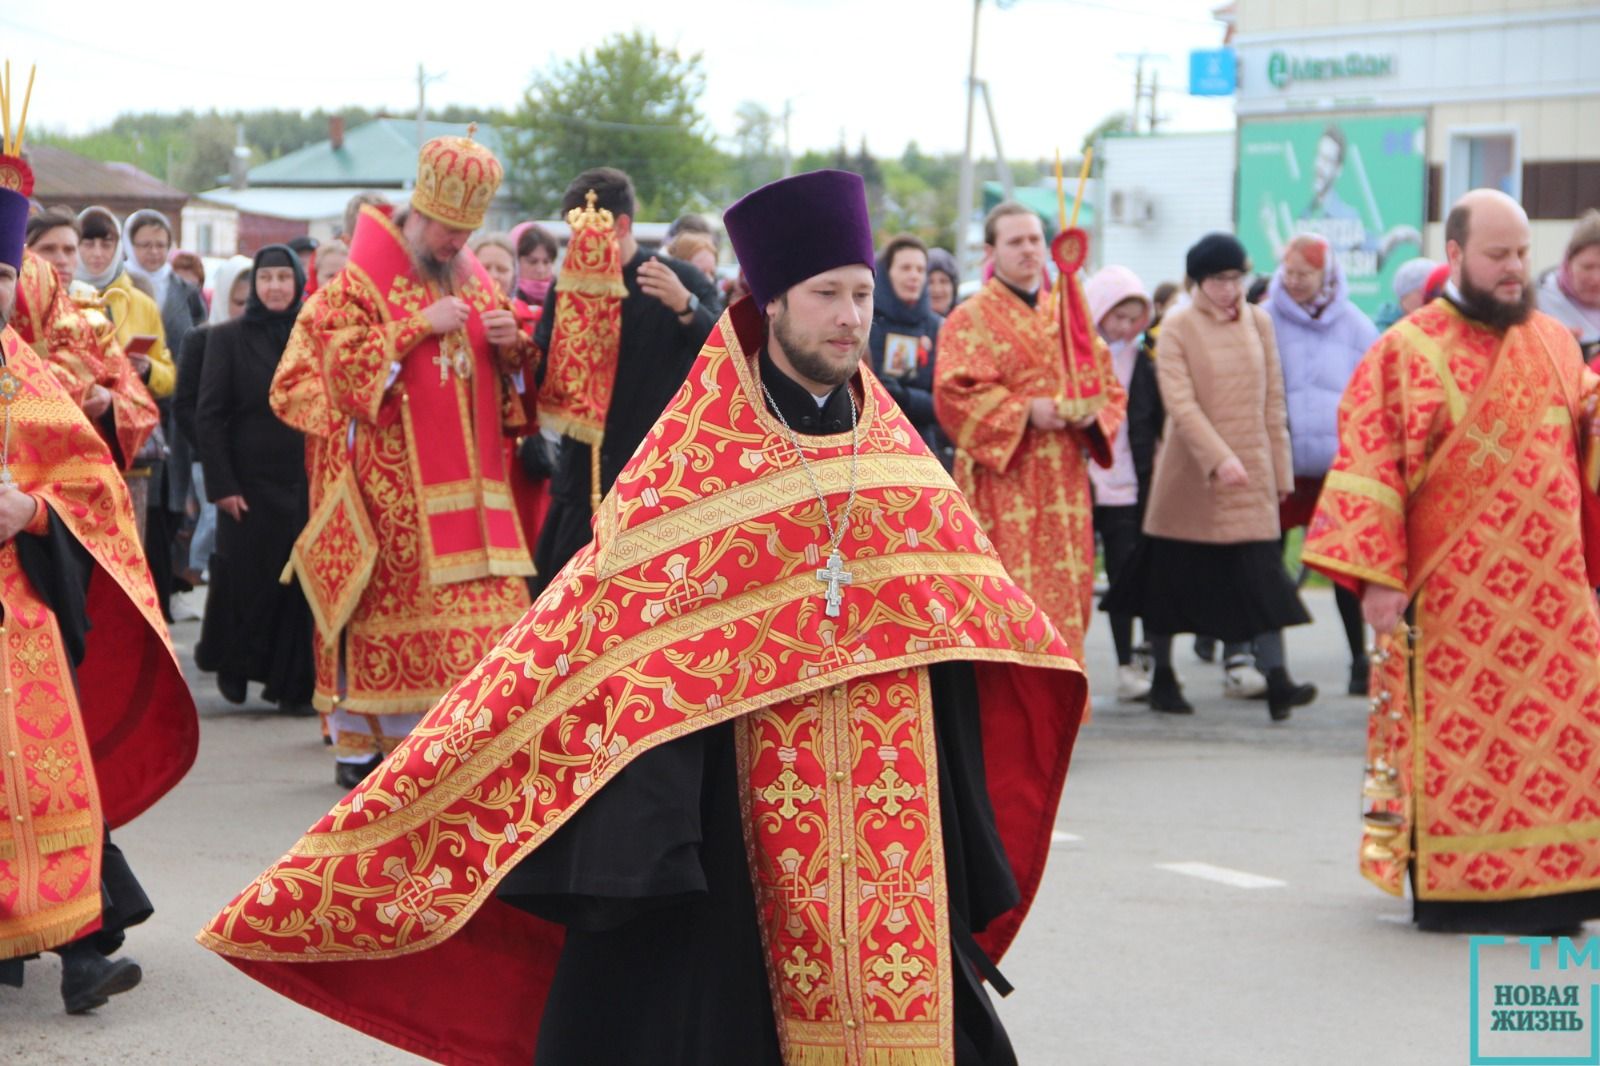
{"x":1042,"y":414}
{"x":95,"y":404}
{"x":446,"y":314}
{"x":500,"y":326}
{"x":17,"y":509}
{"x":1383,"y":607}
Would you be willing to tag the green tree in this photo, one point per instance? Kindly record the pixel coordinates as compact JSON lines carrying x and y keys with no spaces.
{"x":755,"y":160}
{"x":207,"y":150}
{"x":632,"y":103}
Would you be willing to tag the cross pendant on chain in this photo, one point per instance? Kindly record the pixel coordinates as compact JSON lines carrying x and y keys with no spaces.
{"x":834,"y":575}
{"x":443,"y":362}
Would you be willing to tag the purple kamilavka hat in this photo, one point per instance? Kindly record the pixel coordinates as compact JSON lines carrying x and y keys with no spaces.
{"x":799,"y":227}
{"x":13,"y":226}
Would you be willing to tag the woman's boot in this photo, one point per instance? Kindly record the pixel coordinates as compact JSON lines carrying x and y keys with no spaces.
{"x":1165,"y":695}
{"x":1283,"y":694}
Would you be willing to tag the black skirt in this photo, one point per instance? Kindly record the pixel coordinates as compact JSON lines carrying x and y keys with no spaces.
{"x":1229,"y":591}
{"x":256,"y":628}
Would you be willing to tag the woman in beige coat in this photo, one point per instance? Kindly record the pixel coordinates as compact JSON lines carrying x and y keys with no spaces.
{"x":1210,"y":561}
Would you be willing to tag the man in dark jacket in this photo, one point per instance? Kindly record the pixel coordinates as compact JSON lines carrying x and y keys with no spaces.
{"x":666,"y":316}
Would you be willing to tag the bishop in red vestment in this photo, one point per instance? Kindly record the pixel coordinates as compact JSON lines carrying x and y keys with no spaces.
{"x":414,"y":559}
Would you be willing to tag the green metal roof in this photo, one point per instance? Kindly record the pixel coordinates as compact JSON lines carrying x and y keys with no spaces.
{"x":1040,"y":201}
{"x":377,"y":154}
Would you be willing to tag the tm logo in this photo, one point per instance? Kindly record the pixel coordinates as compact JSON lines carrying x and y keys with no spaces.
{"x":1525,"y":1013}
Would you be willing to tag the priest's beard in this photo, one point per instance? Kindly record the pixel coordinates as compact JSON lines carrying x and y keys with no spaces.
{"x":440,"y":274}
{"x":809,"y":360}
{"x":1484,"y":306}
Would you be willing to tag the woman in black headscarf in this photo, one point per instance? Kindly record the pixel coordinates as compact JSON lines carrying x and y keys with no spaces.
{"x":255,"y":629}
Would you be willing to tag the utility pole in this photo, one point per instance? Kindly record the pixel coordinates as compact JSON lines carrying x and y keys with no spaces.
{"x":423,"y":78}
{"x":964,"y":196}
{"x":1155,"y":92}
{"x":1138,"y":93}
{"x":1143,"y":91}
{"x":422,"y":107}
{"x":788,"y":159}
{"x":1001,"y":165}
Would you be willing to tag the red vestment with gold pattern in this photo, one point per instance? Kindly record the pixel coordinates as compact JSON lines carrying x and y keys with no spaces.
{"x":1029,"y":488}
{"x":699,"y":603}
{"x":426,"y":466}
{"x":86,"y":752}
{"x":48,"y":320}
{"x":1457,"y":481}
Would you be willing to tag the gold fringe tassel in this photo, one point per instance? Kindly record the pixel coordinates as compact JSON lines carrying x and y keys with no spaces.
{"x":817,"y":1055}
{"x":559,"y":421}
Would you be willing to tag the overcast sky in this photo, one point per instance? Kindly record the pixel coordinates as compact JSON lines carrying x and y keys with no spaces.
{"x":891,"y":71}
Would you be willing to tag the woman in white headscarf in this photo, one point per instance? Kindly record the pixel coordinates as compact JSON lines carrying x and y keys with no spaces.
{"x":102,"y":264}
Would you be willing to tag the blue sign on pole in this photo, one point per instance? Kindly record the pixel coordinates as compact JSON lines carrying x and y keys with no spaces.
{"x":1213,"y":72}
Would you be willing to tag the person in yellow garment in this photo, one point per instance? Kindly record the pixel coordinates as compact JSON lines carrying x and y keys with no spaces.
{"x":102,"y":265}
{"x":1453,"y":511}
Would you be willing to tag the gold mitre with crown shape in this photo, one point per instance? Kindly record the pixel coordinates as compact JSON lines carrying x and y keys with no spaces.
{"x":456,"y":179}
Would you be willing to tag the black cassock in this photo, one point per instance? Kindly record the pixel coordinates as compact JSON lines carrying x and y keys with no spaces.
{"x":663,"y":961}
{"x":255,"y":629}
{"x":655,"y":355}
{"x":60,"y":569}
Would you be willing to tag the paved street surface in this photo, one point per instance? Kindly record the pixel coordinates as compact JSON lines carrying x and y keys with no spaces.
{"x":1263,"y":945}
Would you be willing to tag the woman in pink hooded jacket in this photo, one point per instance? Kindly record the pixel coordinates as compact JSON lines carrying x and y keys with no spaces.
{"x":1121,"y":310}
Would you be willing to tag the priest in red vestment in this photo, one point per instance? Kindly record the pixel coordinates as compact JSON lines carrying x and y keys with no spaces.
{"x":1011,"y":358}
{"x":768,"y":773}
{"x":414,"y":558}
{"x":1455,"y":509}
{"x":96,"y":722}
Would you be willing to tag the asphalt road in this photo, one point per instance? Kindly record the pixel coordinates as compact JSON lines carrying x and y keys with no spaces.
{"x":1273,"y":950}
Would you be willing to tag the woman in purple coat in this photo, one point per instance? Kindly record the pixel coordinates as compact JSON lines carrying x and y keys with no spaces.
{"x":1321,"y":337}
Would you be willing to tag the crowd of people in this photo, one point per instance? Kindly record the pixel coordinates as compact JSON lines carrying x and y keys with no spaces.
{"x":510,"y":518}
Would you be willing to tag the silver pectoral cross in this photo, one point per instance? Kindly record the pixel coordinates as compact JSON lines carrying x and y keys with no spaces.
{"x":834,"y":575}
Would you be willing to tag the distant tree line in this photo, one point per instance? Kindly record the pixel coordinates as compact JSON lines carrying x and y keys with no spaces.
{"x":632,"y":102}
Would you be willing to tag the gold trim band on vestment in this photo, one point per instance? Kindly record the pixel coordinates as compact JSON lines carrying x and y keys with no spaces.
{"x":1365,"y":487}
{"x":588,"y":677}
{"x":710,"y":515}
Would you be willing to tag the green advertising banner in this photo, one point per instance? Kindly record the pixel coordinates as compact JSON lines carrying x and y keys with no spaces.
{"x":1359,"y":182}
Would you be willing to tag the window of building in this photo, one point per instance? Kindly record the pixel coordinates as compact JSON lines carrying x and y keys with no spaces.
{"x":207,"y":240}
{"x":1484,"y":158}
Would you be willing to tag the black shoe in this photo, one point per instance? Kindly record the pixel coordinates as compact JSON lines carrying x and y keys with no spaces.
{"x":89,"y":979}
{"x":1205,"y":648}
{"x":296,"y":709}
{"x":1166,"y":695}
{"x":1360,"y":677}
{"x":233,"y":689}
{"x":348,"y":775}
{"x":1283,"y":694}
